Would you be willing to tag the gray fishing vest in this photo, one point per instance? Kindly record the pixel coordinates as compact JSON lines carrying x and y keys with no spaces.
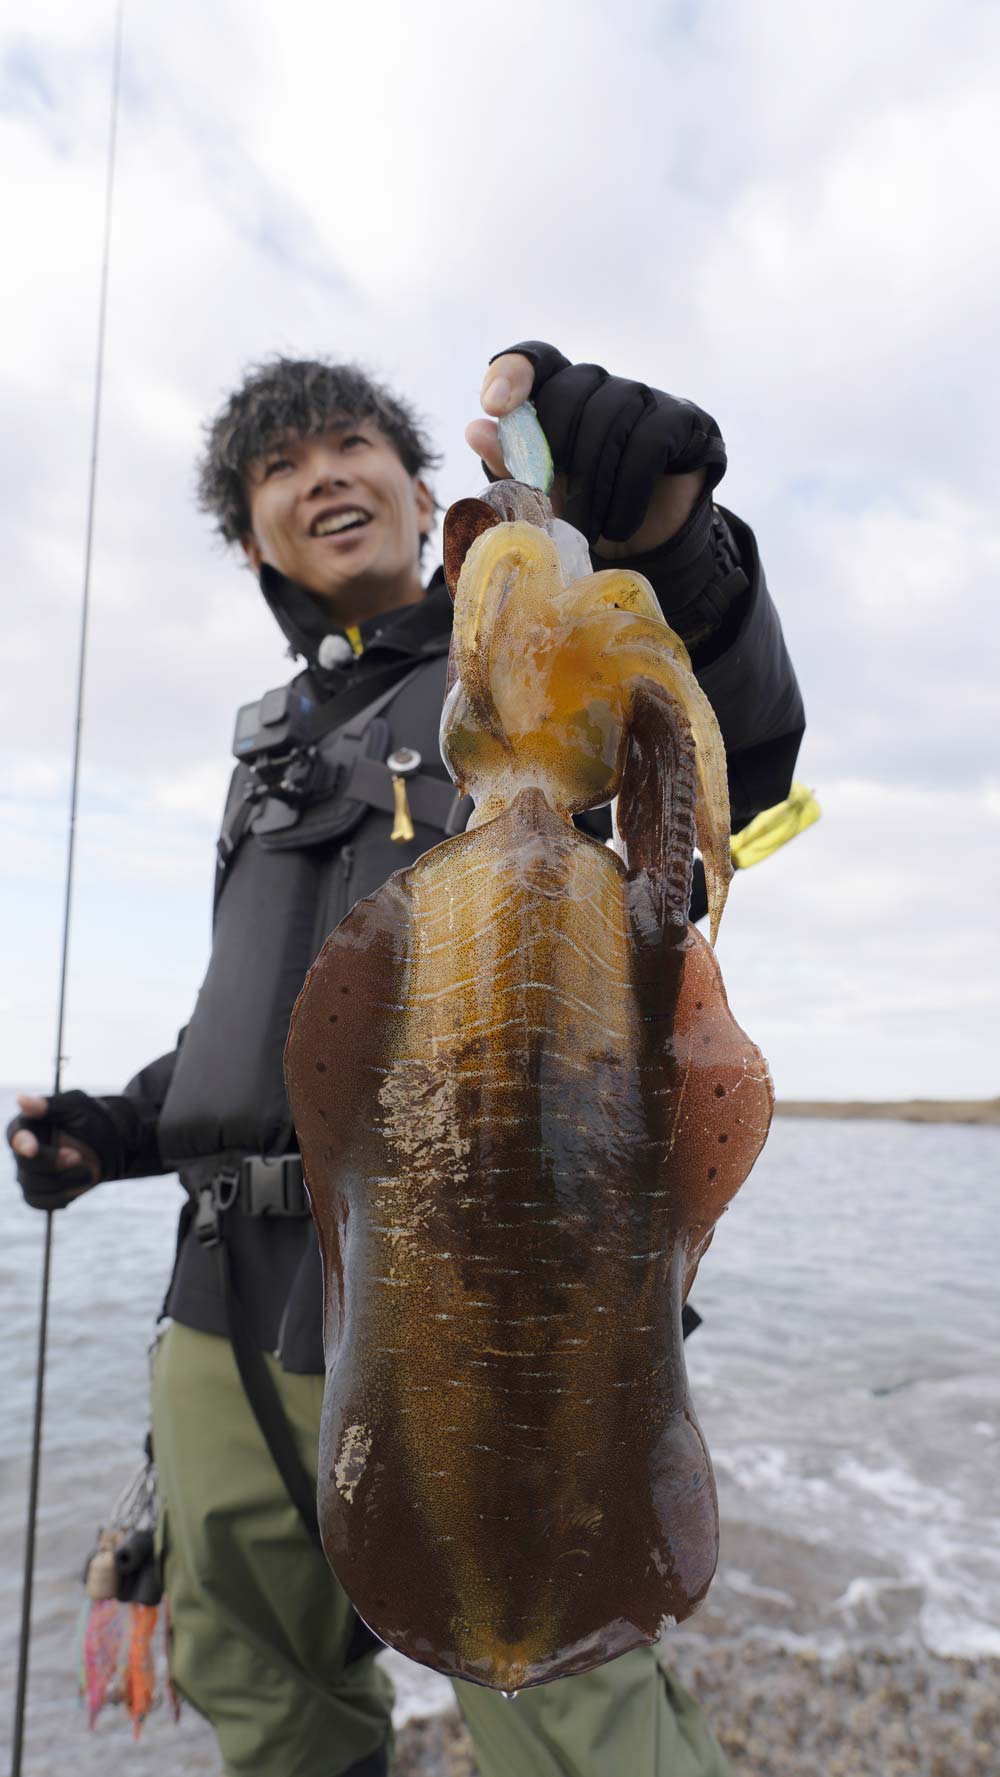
{"x":282,"y":894}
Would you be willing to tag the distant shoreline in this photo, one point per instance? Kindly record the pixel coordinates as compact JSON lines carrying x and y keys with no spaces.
{"x":905,"y":1110}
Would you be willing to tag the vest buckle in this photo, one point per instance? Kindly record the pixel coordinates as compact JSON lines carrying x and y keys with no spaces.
{"x":273,"y":1187}
{"x":212,"y":1202}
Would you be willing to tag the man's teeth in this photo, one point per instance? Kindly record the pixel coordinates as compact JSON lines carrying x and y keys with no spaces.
{"x":340,"y":521}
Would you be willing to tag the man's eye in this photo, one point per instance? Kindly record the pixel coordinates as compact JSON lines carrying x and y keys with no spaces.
{"x":354,"y":438}
{"x":275,"y":465}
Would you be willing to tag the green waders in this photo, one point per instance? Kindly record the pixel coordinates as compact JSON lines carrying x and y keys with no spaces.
{"x":260,"y":1628}
{"x":259,"y":1625}
{"x":627,"y":1719}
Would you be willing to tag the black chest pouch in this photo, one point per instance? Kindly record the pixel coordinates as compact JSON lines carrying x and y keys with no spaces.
{"x":312,"y":803}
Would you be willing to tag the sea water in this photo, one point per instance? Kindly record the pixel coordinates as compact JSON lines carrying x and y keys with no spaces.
{"x":847,"y":1379}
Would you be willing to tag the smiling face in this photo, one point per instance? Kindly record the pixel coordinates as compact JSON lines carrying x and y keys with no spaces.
{"x":339,"y":514}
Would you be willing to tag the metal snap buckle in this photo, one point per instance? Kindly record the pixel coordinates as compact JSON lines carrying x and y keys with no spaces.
{"x":403,"y":763}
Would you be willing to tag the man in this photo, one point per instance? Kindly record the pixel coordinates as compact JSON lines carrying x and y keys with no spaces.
{"x":319,"y":475}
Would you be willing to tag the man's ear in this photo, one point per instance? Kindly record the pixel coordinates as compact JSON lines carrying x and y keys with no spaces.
{"x":426,"y":506}
{"x":251,"y":549}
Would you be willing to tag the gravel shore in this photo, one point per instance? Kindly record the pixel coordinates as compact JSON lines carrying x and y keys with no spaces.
{"x":778,"y":1713}
{"x":983,"y":1111}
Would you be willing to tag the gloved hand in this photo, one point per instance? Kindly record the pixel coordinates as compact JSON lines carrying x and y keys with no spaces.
{"x":64,"y":1145}
{"x":611,"y":439}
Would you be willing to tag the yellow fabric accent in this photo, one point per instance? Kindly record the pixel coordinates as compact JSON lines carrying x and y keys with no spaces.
{"x":402,"y":824}
{"x":774,"y":827}
{"x":353,"y":634}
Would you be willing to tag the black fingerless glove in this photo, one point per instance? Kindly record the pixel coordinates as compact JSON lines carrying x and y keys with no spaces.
{"x":613,"y":439}
{"x":103,"y":1125}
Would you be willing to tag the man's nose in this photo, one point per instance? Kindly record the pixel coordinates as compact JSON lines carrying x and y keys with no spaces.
{"x":326,"y":473}
{"x":325,"y":481}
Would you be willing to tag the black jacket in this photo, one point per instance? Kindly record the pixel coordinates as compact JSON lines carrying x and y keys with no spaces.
{"x":220,"y":1095}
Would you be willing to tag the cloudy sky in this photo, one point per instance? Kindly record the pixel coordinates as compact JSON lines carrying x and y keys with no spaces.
{"x":786,"y":211}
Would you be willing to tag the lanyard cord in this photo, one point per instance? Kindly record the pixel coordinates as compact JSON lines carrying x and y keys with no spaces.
{"x":29,"y":1549}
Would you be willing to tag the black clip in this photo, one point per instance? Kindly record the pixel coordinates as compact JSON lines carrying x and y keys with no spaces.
{"x":213,"y":1201}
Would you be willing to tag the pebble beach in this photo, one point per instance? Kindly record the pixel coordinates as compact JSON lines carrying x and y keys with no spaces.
{"x":778,"y":1713}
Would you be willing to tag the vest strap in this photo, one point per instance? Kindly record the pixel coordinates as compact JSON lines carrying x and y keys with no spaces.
{"x":433,"y":800}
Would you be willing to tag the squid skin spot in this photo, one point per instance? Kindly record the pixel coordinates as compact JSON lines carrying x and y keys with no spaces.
{"x":321,"y":1067}
{"x":706,"y":1040}
{"x":723,"y":1138}
{"x":713,"y":1171}
{"x":345,"y":990}
{"x":333,"y":1017}
{"x":720,"y":1092}
{"x":699,"y":1005}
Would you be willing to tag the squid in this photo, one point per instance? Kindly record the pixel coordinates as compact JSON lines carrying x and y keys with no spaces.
{"x":522,"y":1104}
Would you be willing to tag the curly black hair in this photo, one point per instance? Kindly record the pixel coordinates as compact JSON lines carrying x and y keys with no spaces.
{"x":295,"y":398}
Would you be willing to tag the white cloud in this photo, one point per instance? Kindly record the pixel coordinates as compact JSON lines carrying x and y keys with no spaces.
{"x":783,"y":211}
{"x":863,"y":958}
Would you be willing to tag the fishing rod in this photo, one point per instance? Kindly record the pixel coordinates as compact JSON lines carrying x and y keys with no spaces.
{"x":43,"y":1324}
